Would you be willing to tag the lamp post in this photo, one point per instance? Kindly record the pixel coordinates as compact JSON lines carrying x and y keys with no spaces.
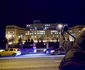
{"x":59,"y":28}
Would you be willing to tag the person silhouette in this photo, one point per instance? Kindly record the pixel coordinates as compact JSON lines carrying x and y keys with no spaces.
{"x":75,"y":53}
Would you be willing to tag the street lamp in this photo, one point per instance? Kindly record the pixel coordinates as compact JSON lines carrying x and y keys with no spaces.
{"x":64,"y":28}
{"x":59,"y":27}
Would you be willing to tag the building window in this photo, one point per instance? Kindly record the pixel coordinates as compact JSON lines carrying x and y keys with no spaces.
{"x":35,"y":28}
{"x":8,"y":32}
{"x":35,"y":36}
{"x":35,"y":33}
{"x":54,"y":31}
{"x":41,"y":31}
{"x":79,"y":31}
{"x":13,"y":35}
{"x":57,"y":35}
{"x":13,"y":32}
{"x":28,"y":25}
{"x":47,"y":24}
{"x":70,"y":30}
{"x":32,"y":36}
{"x":53,"y":35}
{"x":25,"y":33}
{"x":46,"y":28}
{"x":19,"y":36}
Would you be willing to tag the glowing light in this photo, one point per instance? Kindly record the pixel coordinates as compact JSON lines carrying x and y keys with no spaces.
{"x":18,"y":53}
{"x":44,"y":50}
{"x":23,"y":42}
{"x":39,"y":40}
{"x":35,"y":41}
{"x":47,"y":52}
{"x":19,"y":36}
{"x":59,"y":26}
{"x":50,"y":40}
{"x":10,"y":43}
{"x":44,"y":40}
{"x":1,"y":50}
{"x":52,"y":51}
{"x":10,"y":36}
{"x":26,"y":33}
{"x":35,"y":51}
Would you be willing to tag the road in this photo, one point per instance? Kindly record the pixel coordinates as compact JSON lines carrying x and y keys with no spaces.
{"x":30,"y":62}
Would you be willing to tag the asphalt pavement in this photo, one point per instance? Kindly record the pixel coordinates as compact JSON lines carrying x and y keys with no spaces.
{"x":31,"y":62}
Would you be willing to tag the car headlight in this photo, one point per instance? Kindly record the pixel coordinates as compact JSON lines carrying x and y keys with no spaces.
{"x":18,"y":53}
{"x":52,"y":51}
{"x":44,"y":50}
{"x":1,"y":50}
{"x":35,"y":51}
{"x":47,"y":52}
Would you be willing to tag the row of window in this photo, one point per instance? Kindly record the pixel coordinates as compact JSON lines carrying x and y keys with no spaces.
{"x":10,"y":27}
{"x":38,"y":32}
{"x":40,"y":25}
{"x":43,"y":31}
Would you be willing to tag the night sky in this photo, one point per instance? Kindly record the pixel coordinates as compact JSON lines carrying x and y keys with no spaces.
{"x":21,"y":12}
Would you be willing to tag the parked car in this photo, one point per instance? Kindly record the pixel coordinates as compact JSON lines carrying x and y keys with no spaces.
{"x":11,"y":52}
{"x":59,"y":51}
{"x":2,"y":50}
{"x":49,"y":51}
{"x":29,"y":48}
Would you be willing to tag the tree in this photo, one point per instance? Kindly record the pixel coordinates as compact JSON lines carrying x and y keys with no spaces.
{"x":19,"y":43}
{"x":3,"y":42}
{"x":28,"y":39}
{"x":32,"y":41}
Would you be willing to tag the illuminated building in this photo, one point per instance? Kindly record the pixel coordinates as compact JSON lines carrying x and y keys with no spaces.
{"x":75,"y":31}
{"x":39,"y":32}
{"x":13,"y":33}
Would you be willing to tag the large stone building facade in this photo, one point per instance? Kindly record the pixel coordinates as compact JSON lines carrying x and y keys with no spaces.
{"x":39,"y":32}
{"x":75,"y":31}
{"x":13,"y":33}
